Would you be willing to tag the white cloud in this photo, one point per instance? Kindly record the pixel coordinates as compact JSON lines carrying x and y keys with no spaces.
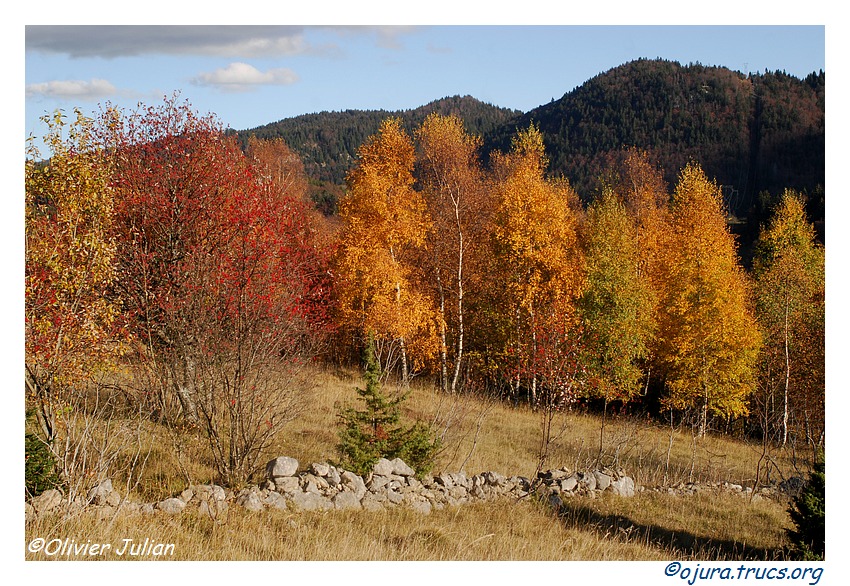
{"x":84,"y":90}
{"x":240,"y":77}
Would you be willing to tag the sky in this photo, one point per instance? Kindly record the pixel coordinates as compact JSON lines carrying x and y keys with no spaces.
{"x":249,"y":75}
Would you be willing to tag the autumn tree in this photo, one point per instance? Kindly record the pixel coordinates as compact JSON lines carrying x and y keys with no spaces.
{"x":708,"y":336}
{"x":535,"y":268}
{"x":452,"y":185}
{"x":70,"y":265}
{"x":384,"y":222}
{"x":222,"y":282}
{"x":616,"y":307}
{"x":73,"y":326}
{"x":790,"y":286}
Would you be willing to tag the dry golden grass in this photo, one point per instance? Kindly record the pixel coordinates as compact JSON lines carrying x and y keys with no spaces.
{"x":481,"y":436}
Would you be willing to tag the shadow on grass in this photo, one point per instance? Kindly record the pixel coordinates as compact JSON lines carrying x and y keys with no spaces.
{"x":576,"y":515}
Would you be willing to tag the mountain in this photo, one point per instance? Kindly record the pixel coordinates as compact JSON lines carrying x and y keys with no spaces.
{"x":328,"y":141}
{"x":755,"y":134}
{"x":752,"y":133}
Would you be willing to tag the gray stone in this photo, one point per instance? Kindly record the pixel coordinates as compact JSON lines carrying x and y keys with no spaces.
{"x":346,"y":501}
{"x":113,"y":499}
{"x":602,"y":480}
{"x":354,"y":483}
{"x":444,"y":480}
{"x":282,"y":466}
{"x":212,"y":508}
{"x":394,"y":497}
{"x":171,"y":506}
{"x":204,"y":492}
{"x":370,"y":503}
{"x":249,"y":500}
{"x":588,"y":481}
{"x":29,"y":513}
{"x":187,"y":495}
{"x":569,"y":483}
{"x":320,"y":469}
{"x":383,"y":467}
{"x":47,"y":501}
{"x":494,"y":478}
{"x":460,"y":479}
{"x":623,"y":486}
{"x":422,"y":507}
{"x":402,"y":469}
{"x":308,"y":501}
{"x":333,"y":477}
{"x":97,"y":495}
{"x":378,"y":482}
{"x":275,"y":500}
{"x":286,"y":484}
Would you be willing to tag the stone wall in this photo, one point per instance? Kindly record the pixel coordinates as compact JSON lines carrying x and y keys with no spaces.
{"x":392,"y":483}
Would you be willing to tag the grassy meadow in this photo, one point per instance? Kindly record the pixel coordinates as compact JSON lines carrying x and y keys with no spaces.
{"x":478,"y":436}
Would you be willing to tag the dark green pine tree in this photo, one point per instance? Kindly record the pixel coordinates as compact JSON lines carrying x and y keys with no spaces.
{"x":376,"y":432}
{"x":808,"y":513}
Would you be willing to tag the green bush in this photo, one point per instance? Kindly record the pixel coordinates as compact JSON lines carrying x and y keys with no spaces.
{"x":40,"y":466}
{"x":808,"y":512}
{"x":377,"y":432}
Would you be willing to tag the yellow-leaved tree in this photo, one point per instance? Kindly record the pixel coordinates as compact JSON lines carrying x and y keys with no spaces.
{"x":384,"y":222}
{"x":790,"y":293}
{"x":708,"y":336}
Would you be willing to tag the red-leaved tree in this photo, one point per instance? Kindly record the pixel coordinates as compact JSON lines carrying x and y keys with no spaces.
{"x":222,"y":284}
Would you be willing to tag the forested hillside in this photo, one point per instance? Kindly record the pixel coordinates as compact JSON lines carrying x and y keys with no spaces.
{"x":328,"y":141}
{"x":754,"y":134}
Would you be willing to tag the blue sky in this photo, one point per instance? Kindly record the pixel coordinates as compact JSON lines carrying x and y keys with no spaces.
{"x":253,"y":75}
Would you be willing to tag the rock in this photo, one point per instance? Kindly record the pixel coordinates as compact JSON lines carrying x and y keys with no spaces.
{"x":623,"y":486}
{"x":282,"y":466}
{"x":346,"y":501}
{"x":378,"y":482}
{"x":402,"y":469}
{"x":370,"y":503}
{"x":187,"y":495}
{"x":603,"y":480}
{"x":97,"y":495}
{"x":588,"y":482}
{"x":394,"y":497}
{"x":383,"y":467}
{"x":275,"y":500}
{"x":113,"y":499}
{"x":444,"y":480}
{"x":29,"y":513}
{"x":205,"y":492}
{"x":320,"y":469}
{"x":422,"y":507}
{"x":354,"y":483}
{"x":569,"y":483}
{"x":47,"y":501}
{"x":171,"y":506}
{"x":212,"y":508}
{"x":249,"y":500}
{"x":494,"y":478}
{"x":333,"y":477}
{"x":286,"y":484}
{"x":308,"y":501}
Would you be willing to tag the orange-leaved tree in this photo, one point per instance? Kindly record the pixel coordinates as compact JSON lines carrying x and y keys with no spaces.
{"x":535,"y":267}
{"x":384,"y":222}
{"x":453,"y":187}
{"x":708,"y":336}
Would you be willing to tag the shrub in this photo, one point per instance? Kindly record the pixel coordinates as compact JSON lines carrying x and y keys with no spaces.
{"x":807,"y":512}
{"x":40,"y":467}
{"x":377,"y":432}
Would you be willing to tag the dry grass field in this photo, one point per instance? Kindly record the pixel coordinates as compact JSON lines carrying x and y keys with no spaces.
{"x":477,"y":436}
